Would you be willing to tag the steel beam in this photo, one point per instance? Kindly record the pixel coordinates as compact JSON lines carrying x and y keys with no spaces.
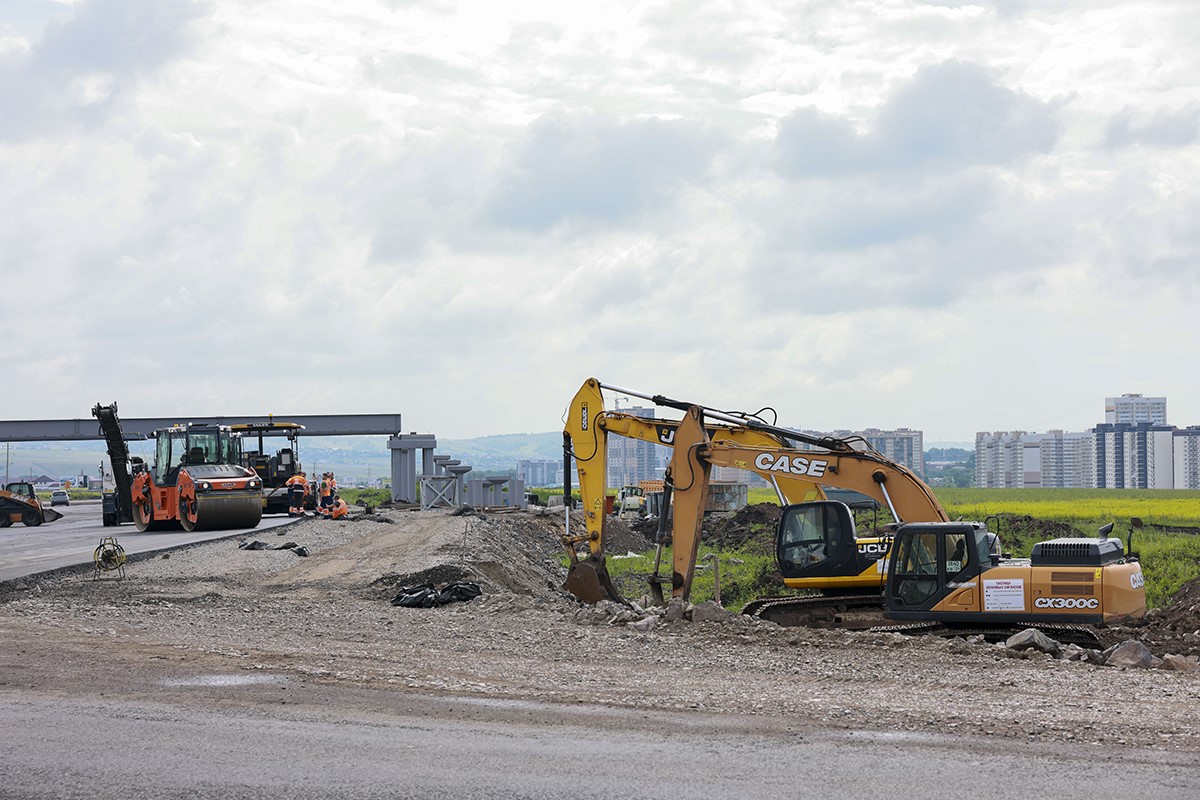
{"x":76,"y":430}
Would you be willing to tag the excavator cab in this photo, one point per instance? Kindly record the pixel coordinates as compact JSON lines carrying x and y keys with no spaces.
{"x":816,"y":539}
{"x":932,"y":560}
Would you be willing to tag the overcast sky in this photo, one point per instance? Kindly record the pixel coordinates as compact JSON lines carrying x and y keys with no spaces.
{"x":945,"y":215}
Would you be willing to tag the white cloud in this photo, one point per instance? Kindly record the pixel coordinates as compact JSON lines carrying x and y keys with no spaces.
{"x":873,"y":213}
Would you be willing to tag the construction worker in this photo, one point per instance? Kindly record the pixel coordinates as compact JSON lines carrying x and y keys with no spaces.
{"x":339,"y":509}
{"x":297,"y":488}
{"x":327,"y":485}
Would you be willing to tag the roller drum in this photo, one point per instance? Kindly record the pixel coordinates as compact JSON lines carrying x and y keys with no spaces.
{"x":214,"y":512}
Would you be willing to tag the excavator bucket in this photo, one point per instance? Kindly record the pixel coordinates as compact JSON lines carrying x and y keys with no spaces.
{"x":588,"y":580}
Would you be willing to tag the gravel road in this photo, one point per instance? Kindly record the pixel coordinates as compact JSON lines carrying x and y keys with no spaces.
{"x":327,"y":620}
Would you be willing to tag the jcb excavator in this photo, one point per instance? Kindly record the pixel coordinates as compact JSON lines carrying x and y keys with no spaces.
{"x":932,"y":581}
{"x":19,"y":503}
{"x":197,"y":482}
{"x":585,"y":439}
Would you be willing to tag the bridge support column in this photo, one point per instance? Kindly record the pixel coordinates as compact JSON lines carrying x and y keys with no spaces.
{"x":404,"y":449}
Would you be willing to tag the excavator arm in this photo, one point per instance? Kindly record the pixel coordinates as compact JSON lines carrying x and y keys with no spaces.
{"x":868,"y":473}
{"x":585,"y":438}
{"x":589,"y":425}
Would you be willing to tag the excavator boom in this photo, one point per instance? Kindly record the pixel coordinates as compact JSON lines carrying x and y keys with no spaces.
{"x":585,"y":440}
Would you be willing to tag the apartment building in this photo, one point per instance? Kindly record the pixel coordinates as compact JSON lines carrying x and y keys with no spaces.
{"x":1186,"y":448}
{"x":1109,"y":456}
{"x":1134,"y":456}
{"x":540,"y":472}
{"x":1133,"y":409}
{"x":631,"y":461}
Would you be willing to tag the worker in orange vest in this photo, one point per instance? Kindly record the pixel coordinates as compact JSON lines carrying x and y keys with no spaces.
{"x":327,"y":485}
{"x":297,"y":487}
{"x":339,"y":509}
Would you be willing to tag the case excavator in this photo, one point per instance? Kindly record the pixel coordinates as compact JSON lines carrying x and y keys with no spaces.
{"x":941,"y":576}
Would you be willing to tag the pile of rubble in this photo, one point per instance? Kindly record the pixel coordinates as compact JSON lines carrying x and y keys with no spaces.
{"x":1030,"y":643}
{"x":1130,"y":653}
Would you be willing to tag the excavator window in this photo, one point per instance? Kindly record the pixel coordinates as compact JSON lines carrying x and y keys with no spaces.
{"x":810,"y":533}
{"x":916,"y":568}
{"x":926,"y":561}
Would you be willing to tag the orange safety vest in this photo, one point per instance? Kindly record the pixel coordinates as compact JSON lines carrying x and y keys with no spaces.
{"x":326,"y":489}
{"x":340,"y":509}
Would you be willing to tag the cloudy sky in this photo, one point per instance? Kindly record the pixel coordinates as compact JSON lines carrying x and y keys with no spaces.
{"x":951,"y":216}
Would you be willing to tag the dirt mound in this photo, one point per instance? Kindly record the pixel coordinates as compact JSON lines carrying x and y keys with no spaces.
{"x":511,"y":552}
{"x":750,"y":528}
{"x":628,"y":537}
{"x":1019,"y":533}
{"x":1176,"y":628}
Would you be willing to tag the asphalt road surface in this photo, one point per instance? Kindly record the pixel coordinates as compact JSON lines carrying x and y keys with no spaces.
{"x":72,"y":540}
{"x":258,"y":735}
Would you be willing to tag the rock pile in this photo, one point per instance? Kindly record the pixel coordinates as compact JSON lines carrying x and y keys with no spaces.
{"x":1129,"y":654}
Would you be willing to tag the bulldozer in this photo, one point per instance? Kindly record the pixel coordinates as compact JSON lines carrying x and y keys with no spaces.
{"x":19,"y":503}
{"x":197,"y":482}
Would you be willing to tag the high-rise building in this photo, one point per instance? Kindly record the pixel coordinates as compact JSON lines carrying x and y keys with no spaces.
{"x":903,"y":445}
{"x":1132,"y":409}
{"x":1000,"y":460}
{"x":540,"y":472}
{"x":1186,"y":448}
{"x":632,"y":460}
{"x":1067,"y":460}
{"x":1134,"y":456}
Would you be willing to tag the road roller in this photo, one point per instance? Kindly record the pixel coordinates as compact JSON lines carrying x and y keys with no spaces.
{"x":196,"y":482}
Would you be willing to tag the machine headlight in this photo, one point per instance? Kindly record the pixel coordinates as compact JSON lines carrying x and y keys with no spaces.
{"x":204,"y":486}
{"x":254,"y":484}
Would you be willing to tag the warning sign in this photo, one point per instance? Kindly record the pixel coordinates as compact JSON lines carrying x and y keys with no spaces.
{"x":1004,"y":594}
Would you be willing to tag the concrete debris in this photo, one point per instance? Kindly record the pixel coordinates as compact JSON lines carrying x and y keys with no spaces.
{"x":1073,"y":652}
{"x":645,"y":624}
{"x":638,"y":618}
{"x":1180,"y":663}
{"x":1131,"y":654}
{"x":1031,"y":638}
{"x":710,"y":612}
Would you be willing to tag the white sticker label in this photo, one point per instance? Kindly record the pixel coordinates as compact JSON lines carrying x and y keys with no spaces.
{"x":1004,"y":594}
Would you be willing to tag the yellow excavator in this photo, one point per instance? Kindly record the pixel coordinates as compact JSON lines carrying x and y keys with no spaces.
{"x":943,"y":573}
{"x":585,"y":441}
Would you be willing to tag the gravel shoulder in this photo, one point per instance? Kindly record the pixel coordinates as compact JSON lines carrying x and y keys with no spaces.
{"x":327,"y":620}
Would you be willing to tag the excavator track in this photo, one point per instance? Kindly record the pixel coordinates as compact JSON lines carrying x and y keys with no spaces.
{"x":865,"y":613}
{"x":847,"y":612}
{"x":1080,"y":635}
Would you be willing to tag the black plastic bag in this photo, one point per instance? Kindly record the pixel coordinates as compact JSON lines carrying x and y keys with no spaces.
{"x":460,"y":591}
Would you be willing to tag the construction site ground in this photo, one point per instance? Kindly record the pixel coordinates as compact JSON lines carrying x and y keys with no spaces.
{"x":326,"y":620}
